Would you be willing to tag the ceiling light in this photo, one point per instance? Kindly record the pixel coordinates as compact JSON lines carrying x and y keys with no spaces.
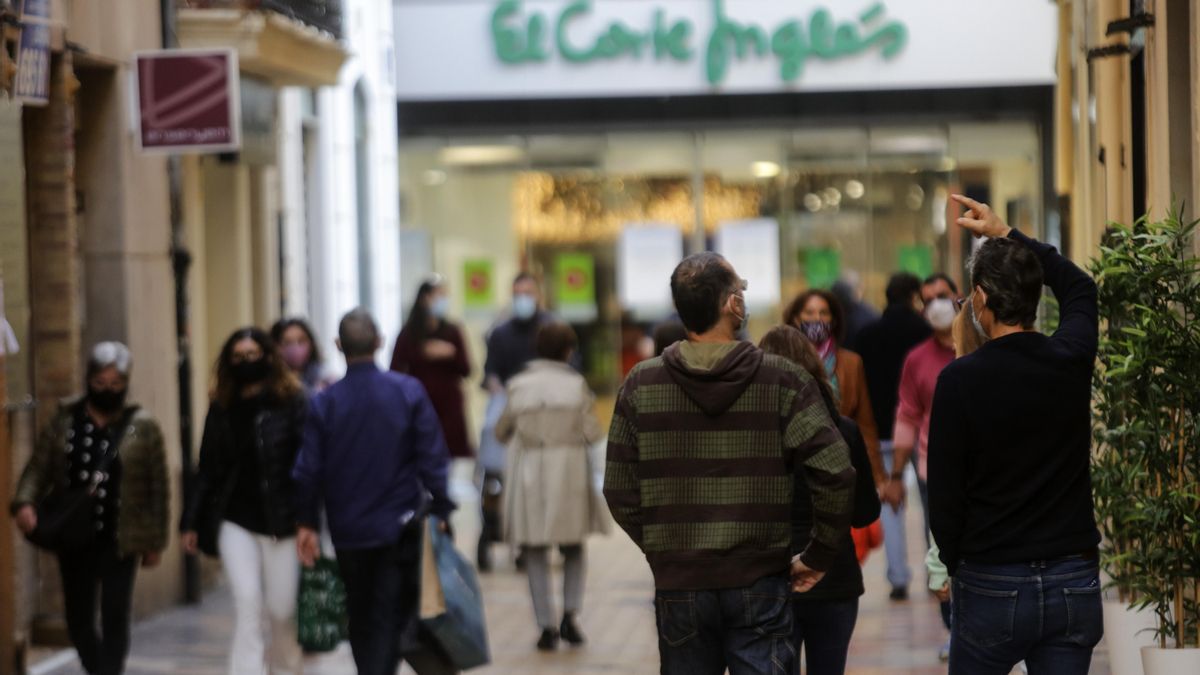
{"x":477,"y":155}
{"x":434,"y":177}
{"x":855,"y":189}
{"x":812,"y":202}
{"x":765,"y":169}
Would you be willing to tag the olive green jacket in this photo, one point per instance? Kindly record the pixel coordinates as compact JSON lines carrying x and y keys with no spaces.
{"x":143,"y":512}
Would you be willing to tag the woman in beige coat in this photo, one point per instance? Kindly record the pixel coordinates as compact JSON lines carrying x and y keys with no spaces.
{"x":550,"y":497}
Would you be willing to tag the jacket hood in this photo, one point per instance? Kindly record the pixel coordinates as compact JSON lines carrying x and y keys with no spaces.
{"x":713,"y":376}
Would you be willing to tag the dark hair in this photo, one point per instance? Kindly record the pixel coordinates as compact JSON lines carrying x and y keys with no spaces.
{"x":358,"y":333}
{"x":699,"y":286}
{"x":1011,"y":276}
{"x":837,"y":321}
{"x":790,"y":343}
{"x":417,"y":323}
{"x":280,"y":383}
{"x":524,"y":276}
{"x":555,"y":340}
{"x":281,"y":326}
{"x":901,"y":288}
{"x":941,"y":276}
{"x":667,"y":334}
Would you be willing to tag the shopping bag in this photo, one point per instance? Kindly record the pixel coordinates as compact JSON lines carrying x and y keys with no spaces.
{"x":866,"y":539}
{"x":433,"y":600}
{"x":321,"y":618}
{"x":460,"y":630}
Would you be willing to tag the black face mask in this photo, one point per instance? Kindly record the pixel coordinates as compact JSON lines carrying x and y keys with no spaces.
{"x":107,"y":401}
{"x":250,"y":372}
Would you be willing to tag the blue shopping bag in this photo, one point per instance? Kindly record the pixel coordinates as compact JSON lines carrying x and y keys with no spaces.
{"x":460,"y":630}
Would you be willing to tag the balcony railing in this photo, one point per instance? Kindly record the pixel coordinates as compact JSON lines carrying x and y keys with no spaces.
{"x":325,"y":15}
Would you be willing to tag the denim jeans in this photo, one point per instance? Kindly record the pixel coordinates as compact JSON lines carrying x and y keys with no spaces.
{"x":1046,"y":613}
{"x":895,"y":543}
{"x":823,"y":629}
{"x":747,"y":630}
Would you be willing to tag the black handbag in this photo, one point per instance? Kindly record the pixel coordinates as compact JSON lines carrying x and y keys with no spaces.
{"x":64,"y":517}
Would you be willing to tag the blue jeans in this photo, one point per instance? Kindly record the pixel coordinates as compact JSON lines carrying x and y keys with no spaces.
{"x":895,"y":543}
{"x":747,"y":630}
{"x":824,"y":629}
{"x":1046,"y":613}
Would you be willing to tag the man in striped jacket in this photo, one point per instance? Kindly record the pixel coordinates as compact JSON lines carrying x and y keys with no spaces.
{"x":703,"y":446}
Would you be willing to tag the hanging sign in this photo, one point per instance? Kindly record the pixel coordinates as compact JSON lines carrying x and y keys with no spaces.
{"x":479,"y":284}
{"x":916,"y":260}
{"x":32,"y":85}
{"x":575,"y":287}
{"x":821,"y":266}
{"x":752,"y":247}
{"x":188,"y":101}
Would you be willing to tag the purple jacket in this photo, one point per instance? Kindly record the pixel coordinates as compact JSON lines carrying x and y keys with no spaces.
{"x":372,"y":450}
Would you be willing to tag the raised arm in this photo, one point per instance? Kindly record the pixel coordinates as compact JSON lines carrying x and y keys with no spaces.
{"x":622,"y":489}
{"x":1078,"y":311}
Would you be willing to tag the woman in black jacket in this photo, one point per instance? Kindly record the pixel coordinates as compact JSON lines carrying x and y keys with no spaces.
{"x":826,"y":614}
{"x":240,"y":505}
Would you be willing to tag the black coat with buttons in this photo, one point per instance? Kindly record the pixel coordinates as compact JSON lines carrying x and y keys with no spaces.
{"x":278,"y":429}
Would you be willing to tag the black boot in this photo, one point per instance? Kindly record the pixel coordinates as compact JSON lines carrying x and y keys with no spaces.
{"x":548,"y":641}
{"x":483,"y":554}
{"x":570,"y":631}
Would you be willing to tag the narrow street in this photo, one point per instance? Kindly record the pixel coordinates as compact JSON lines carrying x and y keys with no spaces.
{"x":891,"y":638}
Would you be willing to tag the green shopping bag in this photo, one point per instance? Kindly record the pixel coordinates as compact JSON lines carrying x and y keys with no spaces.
{"x":321,"y":607}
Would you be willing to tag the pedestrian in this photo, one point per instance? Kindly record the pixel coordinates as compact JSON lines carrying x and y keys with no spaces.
{"x":918,"y":378}
{"x":432,"y":349}
{"x":510,"y":346}
{"x":1009,"y":463}
{"x":820,"y":316}
{"x":859,"y":315}
{"x":240,"y":504}
{"x":374,"y":455}
{"x":551,"y":500}
{"x":103,"y":440}
{"x":883,"y":345}
{"x":825,"y":616}
{"x":703,"y":447}
{"x":298,"y":346}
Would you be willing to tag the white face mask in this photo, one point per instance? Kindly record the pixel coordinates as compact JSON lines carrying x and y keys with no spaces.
{"x":940,"y":313}
{"x":440,"y":307}
{"x":524,"y":306}
{"x":975,"y":320}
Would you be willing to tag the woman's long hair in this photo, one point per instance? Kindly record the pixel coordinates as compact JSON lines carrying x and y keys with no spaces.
{"x":417,"y":323}
{"x":281,"y":326}
{"x":837,"y":314}
{"x":281,"y":384}
{"x":790,"y":343}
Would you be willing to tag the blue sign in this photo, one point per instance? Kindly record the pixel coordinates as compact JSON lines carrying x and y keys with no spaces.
{"x":32,"y":84}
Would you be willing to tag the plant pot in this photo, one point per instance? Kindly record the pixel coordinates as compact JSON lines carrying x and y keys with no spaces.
{"x":1159,"y":661}
{"x":1126,"y":631}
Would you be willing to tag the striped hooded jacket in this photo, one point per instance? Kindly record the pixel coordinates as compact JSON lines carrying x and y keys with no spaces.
{"x":701,"y":455}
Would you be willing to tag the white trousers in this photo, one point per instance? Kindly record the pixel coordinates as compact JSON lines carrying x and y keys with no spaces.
{"x":264,"y":574}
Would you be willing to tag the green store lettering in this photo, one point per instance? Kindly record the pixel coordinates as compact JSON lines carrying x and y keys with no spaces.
{"x":520,"y":38}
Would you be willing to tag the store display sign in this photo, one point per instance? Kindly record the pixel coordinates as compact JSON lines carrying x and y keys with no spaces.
{"x":479,"y":284}
{"x":486,"y":49}
{"x":821,"y":266}
{"x":188,"y":101}
{"x":575,"y":287}
{"x":916,"y":260}
{"x":647,"y":254}
{"x":32,"y":85}
{"x":752,"y":247}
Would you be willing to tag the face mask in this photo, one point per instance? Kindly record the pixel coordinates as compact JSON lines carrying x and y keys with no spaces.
{"x":296,"y":356}
{"x":106,"y":400}
{"x":250,"y":372}
{"x":524,"y":306}
{"x":743,"y":317}
{"x":817,"y":332}
{"x":439,"y":307}
{"x":940,"y":313}
{"x":975,"y":320}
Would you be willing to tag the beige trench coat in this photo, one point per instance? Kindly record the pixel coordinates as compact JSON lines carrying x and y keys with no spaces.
{"x":548,"y":425}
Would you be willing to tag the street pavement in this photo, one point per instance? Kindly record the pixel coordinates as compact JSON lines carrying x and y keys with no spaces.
{"x":891,"y":637}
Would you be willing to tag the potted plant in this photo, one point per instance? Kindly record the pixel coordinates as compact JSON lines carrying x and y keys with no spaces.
{"x":1146,"y":473}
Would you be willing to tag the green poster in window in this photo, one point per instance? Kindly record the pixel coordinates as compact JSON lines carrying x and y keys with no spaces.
{"x":916,"y":259}
{"x":575,"y":286}
{"x":821,"y":266}
{"x":479,"y":284}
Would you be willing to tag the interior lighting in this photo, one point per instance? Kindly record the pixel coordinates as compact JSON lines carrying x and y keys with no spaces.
{"x":855,"y":189}
{"x":916,"y":197}
{"x":481,"y":155}
{"x":831,"y":196}
{"x":765,"y":169}
{"x":812,"y":202}
{"x":434,"y":177}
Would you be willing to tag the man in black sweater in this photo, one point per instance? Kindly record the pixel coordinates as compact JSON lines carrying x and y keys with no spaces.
{"x":1009,"y":451}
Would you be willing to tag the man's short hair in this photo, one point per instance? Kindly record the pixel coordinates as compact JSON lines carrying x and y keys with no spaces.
{"x":941,"y":276}
{"x":524,"y":276}
{"x":699,"y":286}
{"x":358,"y":334}
{"x":1012,"y":277}
{"x":901,"y":288}
{"x":107,"y":355}
{"x":556,"y":340}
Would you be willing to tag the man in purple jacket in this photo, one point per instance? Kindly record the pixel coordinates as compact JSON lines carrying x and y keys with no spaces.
{"x":374,"y":455}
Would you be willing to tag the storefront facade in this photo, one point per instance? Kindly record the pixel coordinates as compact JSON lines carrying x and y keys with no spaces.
{"x":595,"y":142}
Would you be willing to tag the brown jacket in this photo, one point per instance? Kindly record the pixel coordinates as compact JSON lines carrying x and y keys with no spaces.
{"x":143,"y":511}
{"x":855,"y":403}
